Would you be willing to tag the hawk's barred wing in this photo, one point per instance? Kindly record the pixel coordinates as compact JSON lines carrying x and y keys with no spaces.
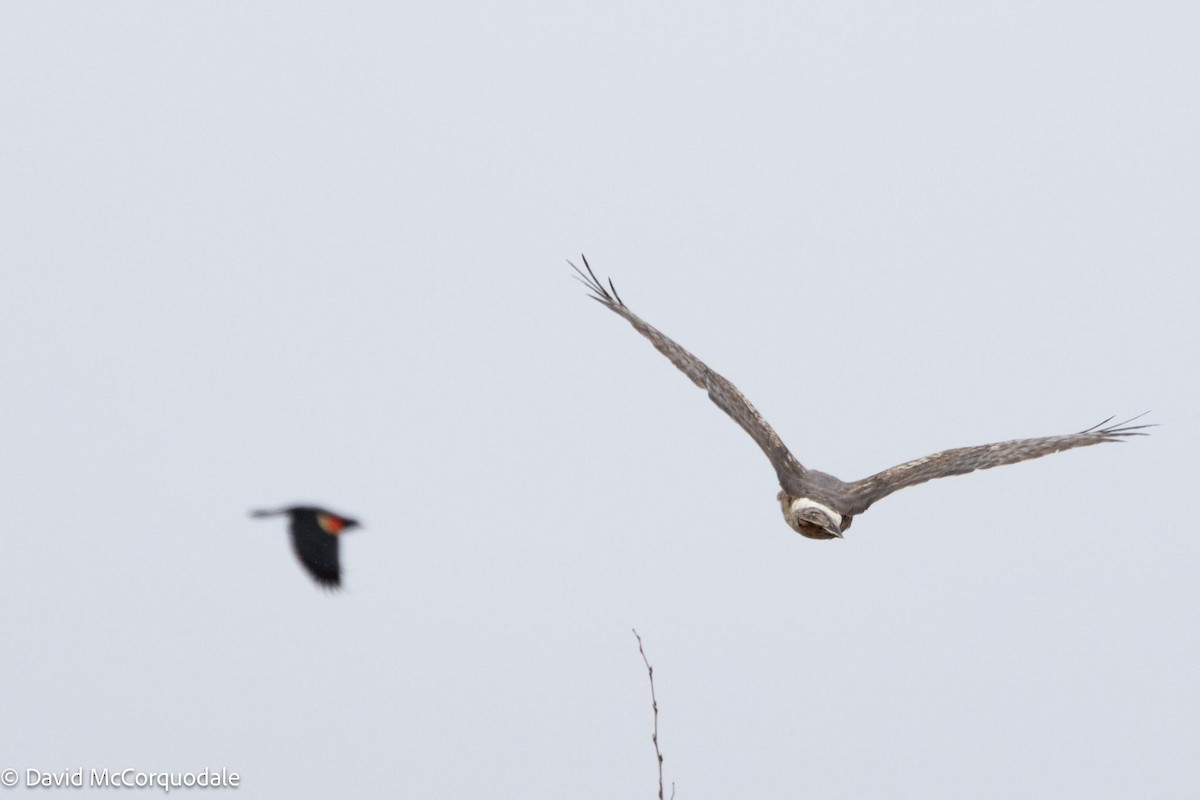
{"x":962,"y":460}
{"x":721,"y":391}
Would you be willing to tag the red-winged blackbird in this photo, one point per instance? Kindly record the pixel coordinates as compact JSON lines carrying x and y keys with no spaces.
{"x":315,"y":534}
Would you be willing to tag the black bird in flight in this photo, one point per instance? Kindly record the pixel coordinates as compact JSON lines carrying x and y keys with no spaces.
{"x":315,"y":534}
{"x":816,"y":504}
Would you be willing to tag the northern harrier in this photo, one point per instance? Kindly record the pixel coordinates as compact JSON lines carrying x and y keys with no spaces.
{"x":315,"y":533}
{"x":816,"y":504}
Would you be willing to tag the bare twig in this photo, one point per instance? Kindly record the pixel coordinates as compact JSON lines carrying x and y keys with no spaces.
{"x":654,"y":705}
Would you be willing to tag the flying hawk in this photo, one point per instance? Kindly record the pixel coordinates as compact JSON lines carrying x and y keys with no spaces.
{"x":315,"y":533}
{"x":816,"y":504}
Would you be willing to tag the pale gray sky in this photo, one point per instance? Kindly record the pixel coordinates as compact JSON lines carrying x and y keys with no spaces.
{"x":262,"y":253}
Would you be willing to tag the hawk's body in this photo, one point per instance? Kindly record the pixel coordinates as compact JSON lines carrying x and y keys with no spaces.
{"x":817,"y":504}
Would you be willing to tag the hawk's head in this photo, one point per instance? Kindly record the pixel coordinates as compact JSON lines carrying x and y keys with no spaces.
{"x":809,"y":518}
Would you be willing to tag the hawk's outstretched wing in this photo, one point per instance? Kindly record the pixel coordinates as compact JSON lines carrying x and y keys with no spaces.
{"x":962,"y":460}
{"x":721,"y":391}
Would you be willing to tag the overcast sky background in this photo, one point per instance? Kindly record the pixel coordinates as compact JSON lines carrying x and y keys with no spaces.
{"x":262,"y":253}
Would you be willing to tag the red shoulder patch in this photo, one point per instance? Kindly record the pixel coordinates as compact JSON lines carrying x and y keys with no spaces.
{"x":331,"y":524}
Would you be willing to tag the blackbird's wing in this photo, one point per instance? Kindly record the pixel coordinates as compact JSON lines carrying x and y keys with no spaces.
{"x":317,"y":551}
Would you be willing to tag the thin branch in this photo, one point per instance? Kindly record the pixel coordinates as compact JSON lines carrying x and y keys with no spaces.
{"x":654,"y":705}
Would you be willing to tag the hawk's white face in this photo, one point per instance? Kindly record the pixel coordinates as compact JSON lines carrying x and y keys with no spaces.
{"x":812,"y":519}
